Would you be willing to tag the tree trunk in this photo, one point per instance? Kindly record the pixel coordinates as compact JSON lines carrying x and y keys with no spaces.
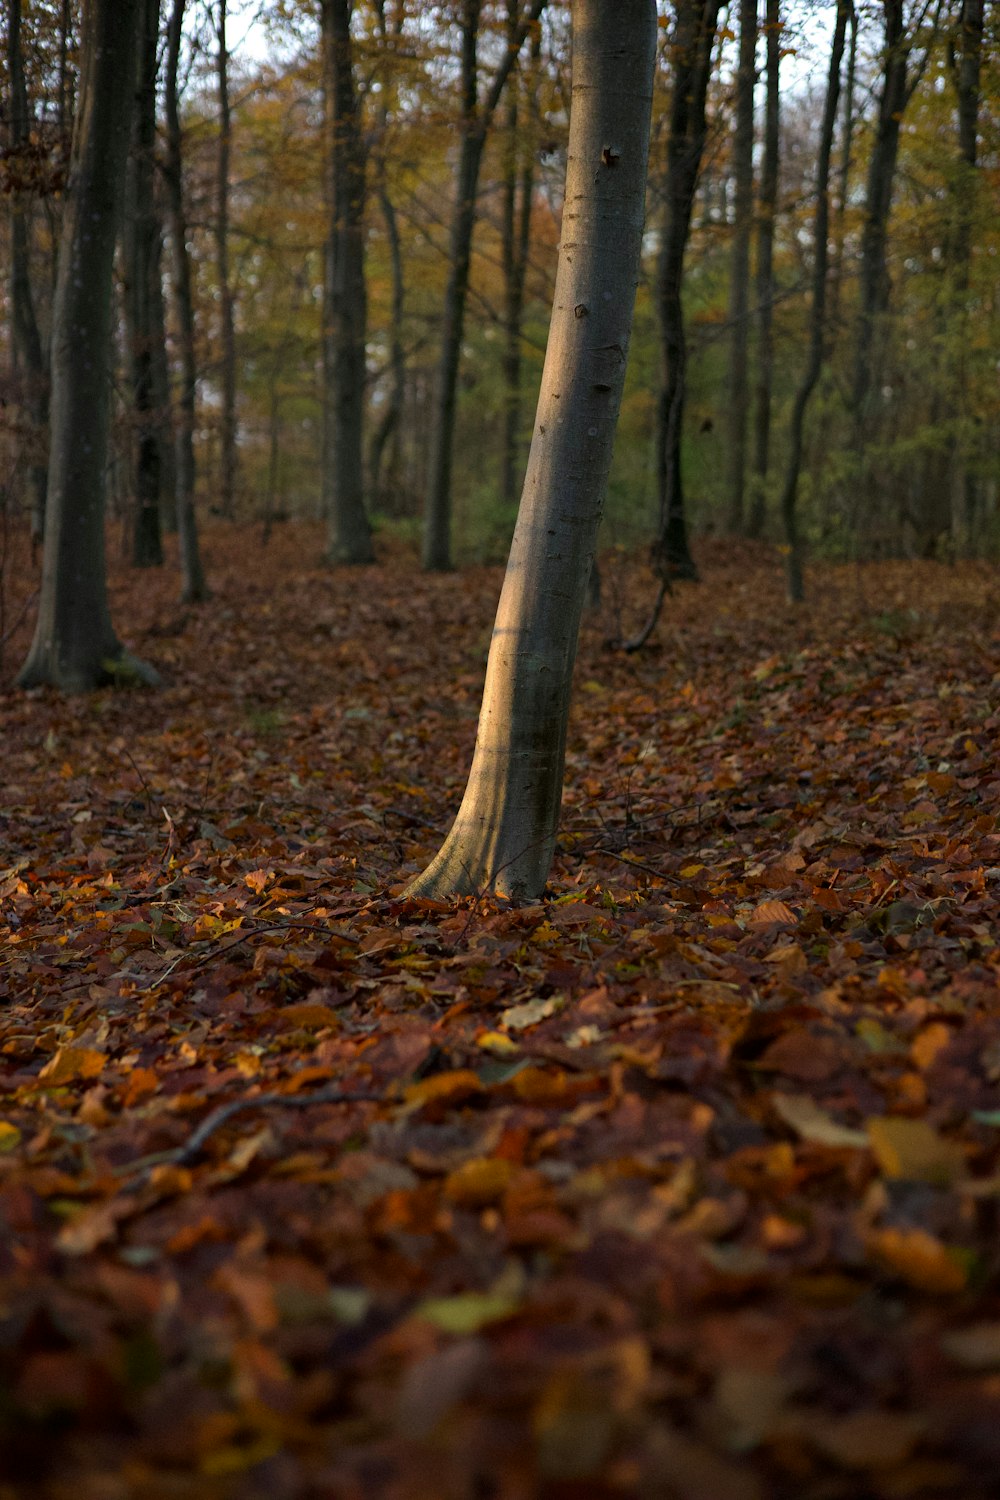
{"x":504,"y":836}
{"x":846,"y":148}
{"x":476,"y":120}
{"x":344,"y":307}
{"x":75,"y":647}
{"x":141,"y":255}
{"x":192,"y":578}
{"x":817,"y":320}
{"x":694,"y":34}
{"x":518,"y":191}
{"x":765,"y":274}
{"x":160,"y":368}
{"x":873,"y":294}
{"x":227,"y":338}
{"x":26,"y":337}
{"x":388,"y":434}
{"x":739,"y":274}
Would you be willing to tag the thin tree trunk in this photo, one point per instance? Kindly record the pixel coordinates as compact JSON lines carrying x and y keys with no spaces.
{"x":873,"y":293}
{"x":518,"y":191}
{"x":765,"y":274}
{"x":75,"y":647}
{"x":504,"y":836}
{"x":160,"y":369}
{"x":817,"y":319}
{"x":27,"y":339}
{"x":694,"y":34}
{"x":475,"y":124}
{"x":227,"y":337}
{"x":192,"y":577}
{"x":141,"y":255}
{"x":344,"y":302}
{"x":739,"y":274}
{"x":388,"y":434}
{"x":843,"y":192}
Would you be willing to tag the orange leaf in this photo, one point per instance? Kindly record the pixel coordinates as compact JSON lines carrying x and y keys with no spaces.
{"x":475,"y":1184}
{"x":918,"y":1258}
{"x":444,"y":1088}
{"x":71,"y":1063}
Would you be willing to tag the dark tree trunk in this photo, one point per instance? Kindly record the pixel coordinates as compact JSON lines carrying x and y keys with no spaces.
{"x":817,"y":319}
{"x":142,"y":268}
{"x":504,"y":835}
{"x":192,"y":577}
{"x":475,"y":123}
{"x":344,"y":300}
{"x":166,"y":441}
{"x":694,"y":34}
{"x":846,"y":149}
{"x":75,"y":647}
{"x":227,"y":336}
{"x":765,"y":274}
{"x":873,"y":291}
{"x":27,"y":339}
{"x":518,"y":191}
{"x":739,"y":274}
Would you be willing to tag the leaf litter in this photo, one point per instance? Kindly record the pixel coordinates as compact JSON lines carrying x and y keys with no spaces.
{"x":683,"y":1181}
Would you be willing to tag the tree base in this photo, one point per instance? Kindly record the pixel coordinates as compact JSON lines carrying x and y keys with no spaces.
{"x":119,"y":668}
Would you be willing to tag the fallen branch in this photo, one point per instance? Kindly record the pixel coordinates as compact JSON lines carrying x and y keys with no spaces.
{"x":183,"y":1156}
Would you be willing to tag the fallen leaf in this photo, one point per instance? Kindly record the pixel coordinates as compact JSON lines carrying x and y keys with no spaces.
{"x":812,"y":1123}
{"x":911,"y":1149}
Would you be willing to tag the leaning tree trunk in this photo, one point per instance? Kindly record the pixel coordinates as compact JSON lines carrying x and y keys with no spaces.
{"x":817,"y":321}
{"x":476,"y":120}
{"x":765,"y":275}
{"x":518,"y":190}
{"x":344,"y":307}
{"x":739,"y":274}
{"x":192,"y":578}
{"x":504,"y":836}
{"x":142,"y":265}
{"x":75,"y":647}
{"x":26,"y":337}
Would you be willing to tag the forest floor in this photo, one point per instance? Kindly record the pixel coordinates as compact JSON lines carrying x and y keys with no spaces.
{"x":681,"y":1184}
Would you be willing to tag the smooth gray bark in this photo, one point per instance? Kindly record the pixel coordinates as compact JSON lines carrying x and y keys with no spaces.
{"x":476,"y":119}
{"x":764,"y":283}
{"x":344,"y":298}
{"x":27,"y":338}
{"x":75,"y":647}
{"x":142,"y":267}
{"x":817,"y":317}
{"x":846,"y":161}
{"x":192,"y":577}
{"x":385,"y":449}
{"x":227,"y":335}
{"x":504,"y":836}
{"x":738,"y":403}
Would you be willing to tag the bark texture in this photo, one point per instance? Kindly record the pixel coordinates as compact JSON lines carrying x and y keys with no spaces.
{"x":817,"y":317}
{"x":504,"y":836}
{"x":344,"y":299}
{"x":476,"y":119}
{"x":75,"y":647}
{"x":192,"y":577}
{"x":518,"y":191}
{"x":694,"y":34}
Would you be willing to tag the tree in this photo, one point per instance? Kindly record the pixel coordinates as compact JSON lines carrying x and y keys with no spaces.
{"x":75,"y":646}
{"x":192,"y":577}
{"x":817,"y":328}
{"x":504,"y":835}
{"x":344,"y":298}
{"x":142,"y":270}
{"x":738,"y":403}
{"x":227,"y":336}
{"x":27,"y":338}
{"x":476,"y":118}
{"x":764,"y":284}
{"x":691,"y":52}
